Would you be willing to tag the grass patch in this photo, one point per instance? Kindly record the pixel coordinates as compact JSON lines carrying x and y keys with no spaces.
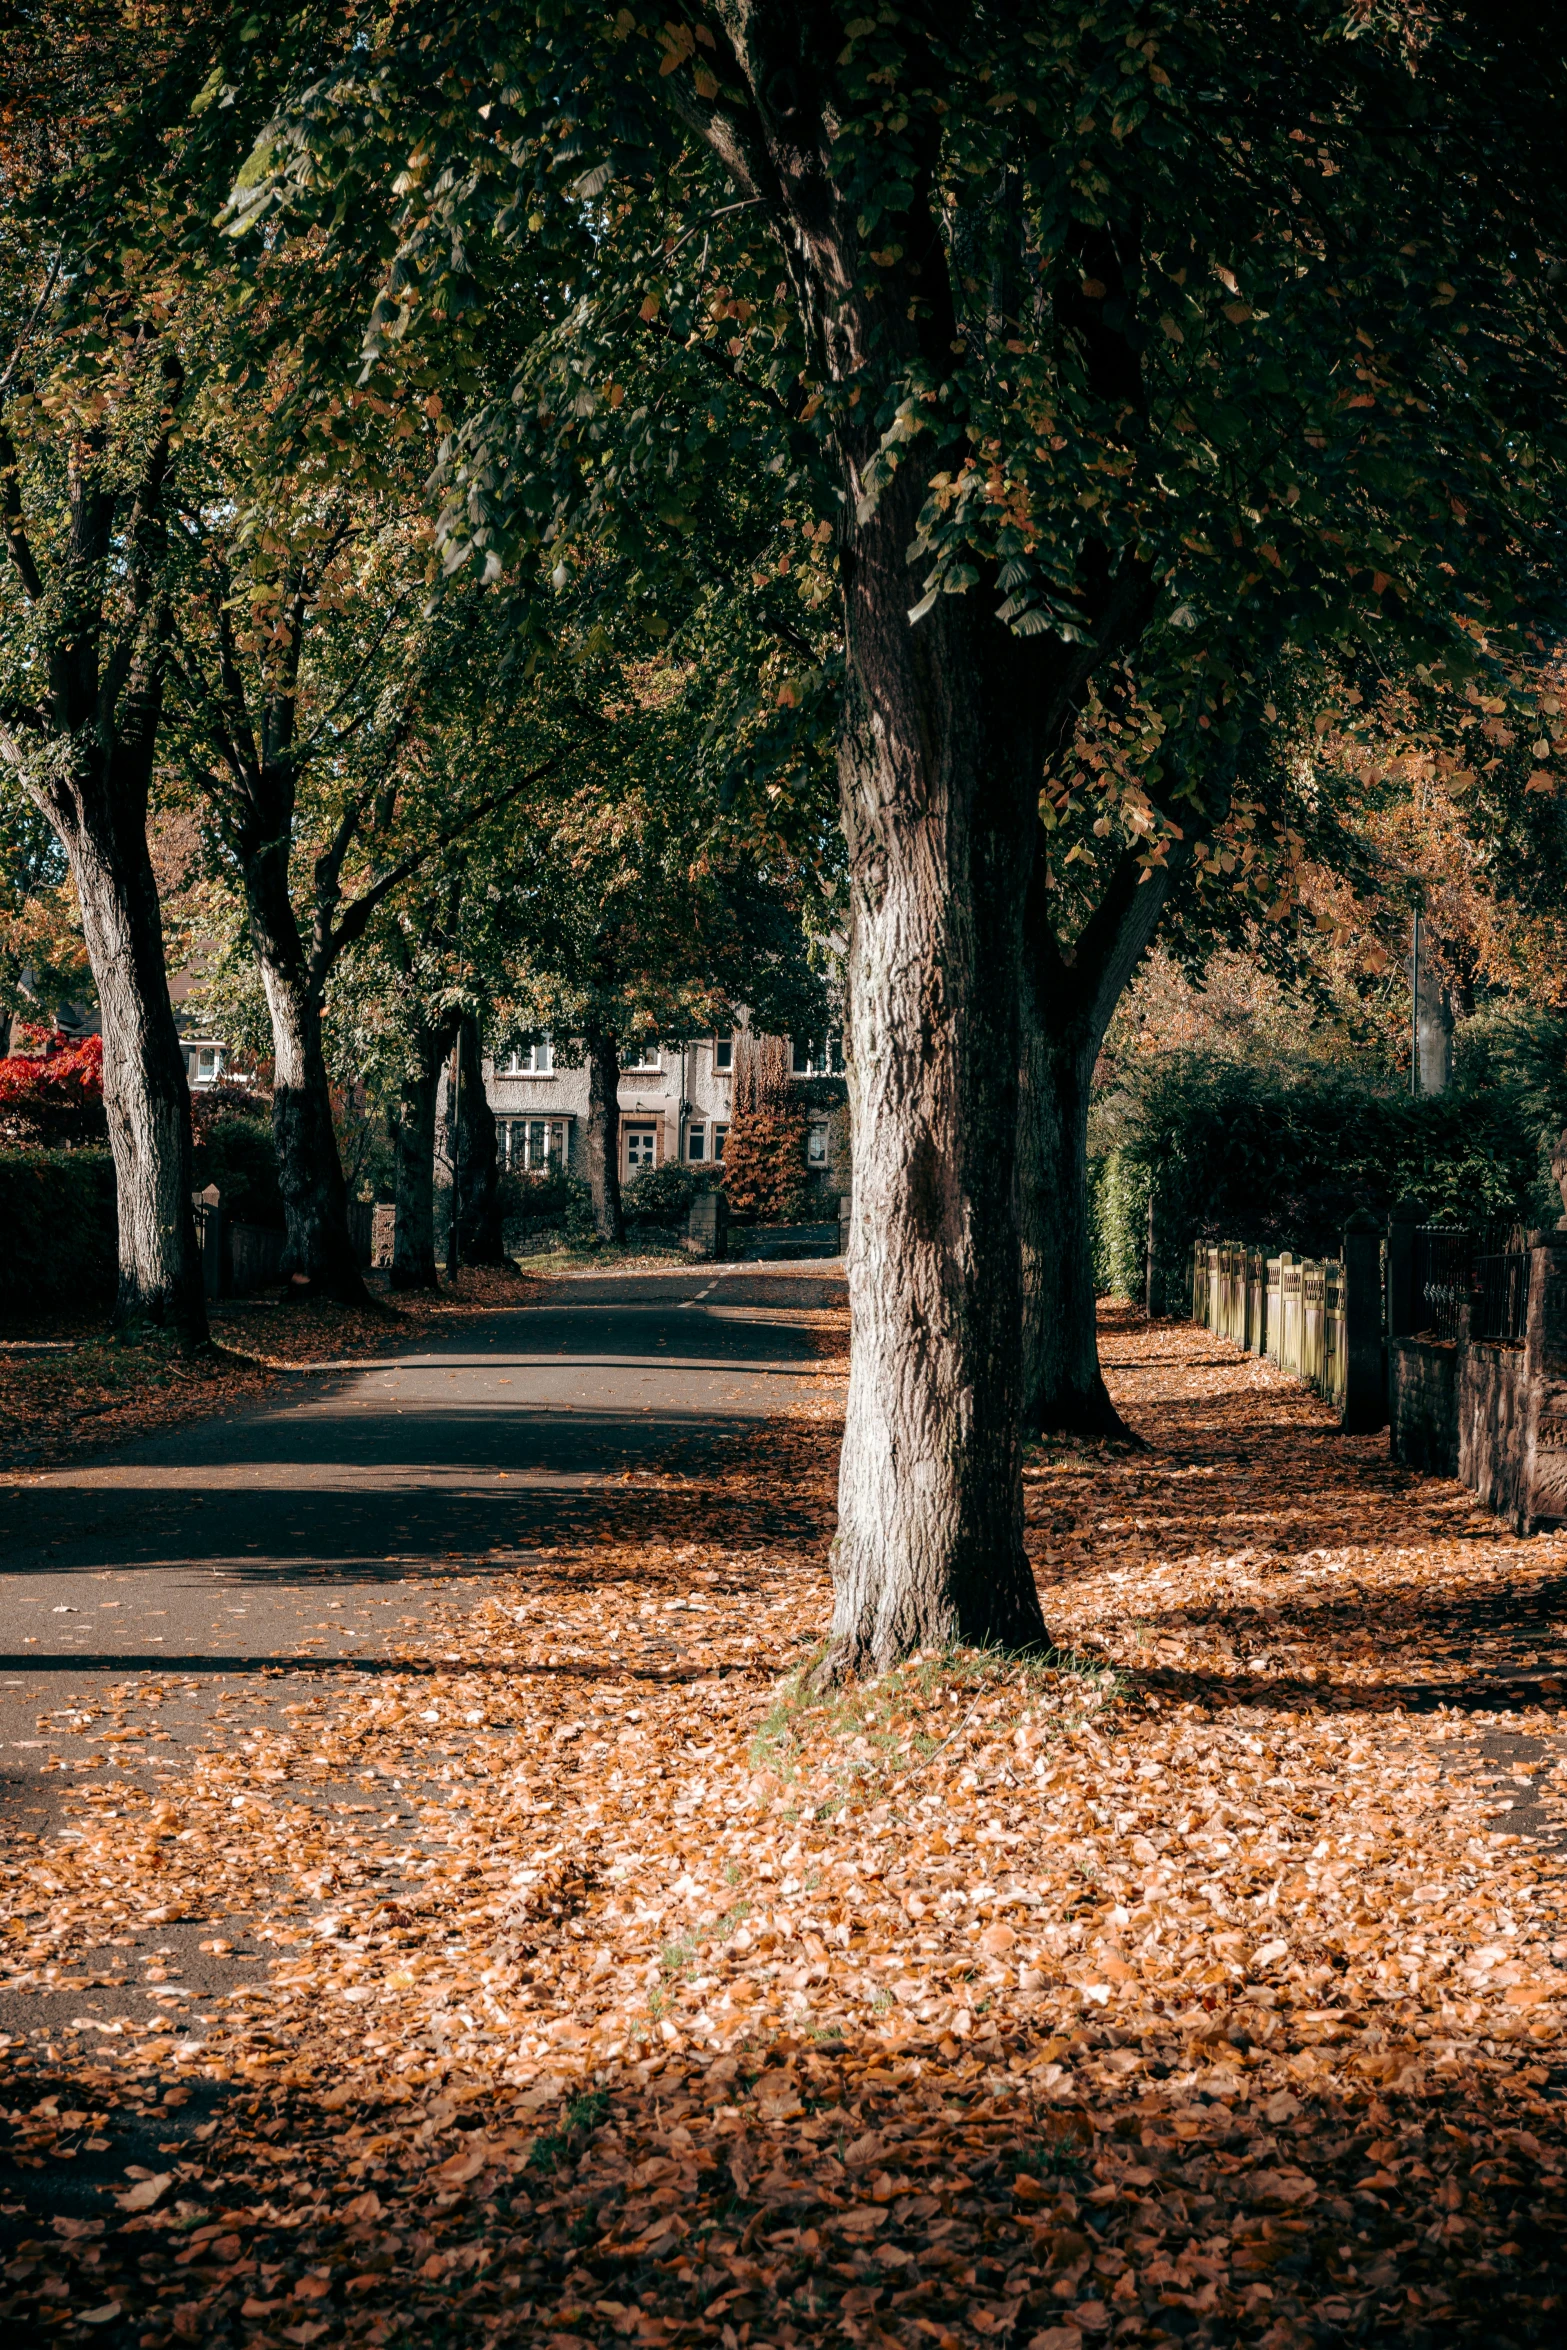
{"x":864,"y":1738}
{"x":581,"y":2118}
{"x":677,"y":1957}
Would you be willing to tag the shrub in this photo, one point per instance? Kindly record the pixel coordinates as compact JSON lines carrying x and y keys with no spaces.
{"x":57,"y":1211}
{"x":555,"y":1197}
{"x":236,"y":1152}
{"x":1240,"y":1153}
{"x":54,"y":1101}
{"x":662,"y":1195}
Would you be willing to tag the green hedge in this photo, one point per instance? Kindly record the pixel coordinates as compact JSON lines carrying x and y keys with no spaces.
{"x":1281,"y":1159}
{"x":61,"y":1239}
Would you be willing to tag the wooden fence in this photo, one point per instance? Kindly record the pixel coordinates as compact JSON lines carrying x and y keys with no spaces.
{"x":1292,"y":1309}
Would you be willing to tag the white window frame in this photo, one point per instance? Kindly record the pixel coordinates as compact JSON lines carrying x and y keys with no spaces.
{"x":724,"y":1045}
{"x":696,"y":1143}
{"x":531,"y":1060}
{"x":644,"y":1067}
{"x":638,"y":1127}
{"x":720,"y":1138}
{"x":816,"y":1056}
{"x":818,"y":1134}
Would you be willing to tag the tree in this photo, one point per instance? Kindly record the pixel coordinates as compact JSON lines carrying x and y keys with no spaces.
{"x":85,"y":520}
{"x":94,"y":387}
{"x":1163,"y":341}
{"x":43,"y":958}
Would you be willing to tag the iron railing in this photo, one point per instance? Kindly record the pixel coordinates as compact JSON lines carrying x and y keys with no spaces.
{"x":1444,"y":1259}
{"x":1499,"y":1298}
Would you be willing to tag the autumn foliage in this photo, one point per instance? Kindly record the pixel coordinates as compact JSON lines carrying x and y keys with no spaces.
{"x":764,"y":1160}
{"x":53,"y":1098}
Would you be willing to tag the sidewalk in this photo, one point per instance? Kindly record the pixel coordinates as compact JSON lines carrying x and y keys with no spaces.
{"x":1206,"y":1984}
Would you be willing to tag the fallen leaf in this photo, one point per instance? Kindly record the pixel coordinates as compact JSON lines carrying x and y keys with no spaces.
{"x":146,"y":2192}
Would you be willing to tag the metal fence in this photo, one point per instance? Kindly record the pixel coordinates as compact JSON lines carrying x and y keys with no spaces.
{"x":1499,"y":1298}
{"x":1443,"y":1269}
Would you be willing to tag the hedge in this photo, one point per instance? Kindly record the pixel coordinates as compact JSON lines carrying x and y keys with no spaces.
{"x":59,"y":1238}
{"x":1276,"y":1159}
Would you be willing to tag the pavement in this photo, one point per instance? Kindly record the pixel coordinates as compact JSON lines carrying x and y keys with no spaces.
{"x":359,"y":1518}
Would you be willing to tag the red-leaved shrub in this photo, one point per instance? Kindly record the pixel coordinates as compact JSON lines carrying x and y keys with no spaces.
{"x":55,"y":1099}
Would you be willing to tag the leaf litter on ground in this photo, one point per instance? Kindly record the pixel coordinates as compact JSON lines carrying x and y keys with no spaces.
{"x":1194,"y":1983}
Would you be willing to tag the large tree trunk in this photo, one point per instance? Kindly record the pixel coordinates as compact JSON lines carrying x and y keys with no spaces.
{"x":413,"y":1162}
{"x":602,"y":1141}
{"x":85,"y":757}
{"x":145,"y":1092}
{"x":947,"y":721}
{"x":1067,"y":1008}
{"x":938,"y":769}
{"x":476,"y":1211}
{"x":319,"y":1256}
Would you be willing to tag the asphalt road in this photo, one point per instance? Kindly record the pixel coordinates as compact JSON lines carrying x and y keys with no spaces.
{"x":357,"y":1518}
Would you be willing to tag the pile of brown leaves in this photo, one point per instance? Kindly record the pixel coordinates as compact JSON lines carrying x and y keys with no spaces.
{"x":1193,"y":1986}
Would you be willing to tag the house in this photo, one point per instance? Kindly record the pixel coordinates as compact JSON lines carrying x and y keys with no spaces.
{"x":674,"y":1105}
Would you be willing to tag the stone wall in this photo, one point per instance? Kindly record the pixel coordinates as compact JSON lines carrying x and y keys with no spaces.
{"x":1493,"y":1413}
{"x":1423,"y":1404}
{"x":1544,"y":1499}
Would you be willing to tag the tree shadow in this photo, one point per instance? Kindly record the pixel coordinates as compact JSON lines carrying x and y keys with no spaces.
{"x":1139,"y":2188}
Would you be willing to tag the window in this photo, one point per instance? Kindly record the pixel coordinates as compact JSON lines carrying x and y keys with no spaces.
{"x":814,"y":1057}
{"x":723,"y":1053}
{"x":816,"y":1146}
{"x":696,"y":1143}
{"x":640,"y":1055}
{"x":720,"y":1137}
{"x":641,"y":1146}
{"x":206,"y":1064}
{"x":530,"y":1060}
{"x":534,"y":1144}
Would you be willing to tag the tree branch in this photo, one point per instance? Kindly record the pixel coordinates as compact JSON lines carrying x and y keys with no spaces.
{"x":16,"y":541}
{"x":356,"y":918}
{"x":149,"y":491}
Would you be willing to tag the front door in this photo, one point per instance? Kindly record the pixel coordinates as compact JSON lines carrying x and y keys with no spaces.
{"x":641,"y":1146}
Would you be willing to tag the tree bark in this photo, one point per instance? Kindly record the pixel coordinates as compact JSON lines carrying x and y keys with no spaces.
{"x":319,"y":1256}
{"x":938,"y":771}
{"x":602,"y":1141}
{"x":476,"y":1211}
{"x":413,"y":1162}
{"x":1067,"y":1008}
{"x":146,"y":1095}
